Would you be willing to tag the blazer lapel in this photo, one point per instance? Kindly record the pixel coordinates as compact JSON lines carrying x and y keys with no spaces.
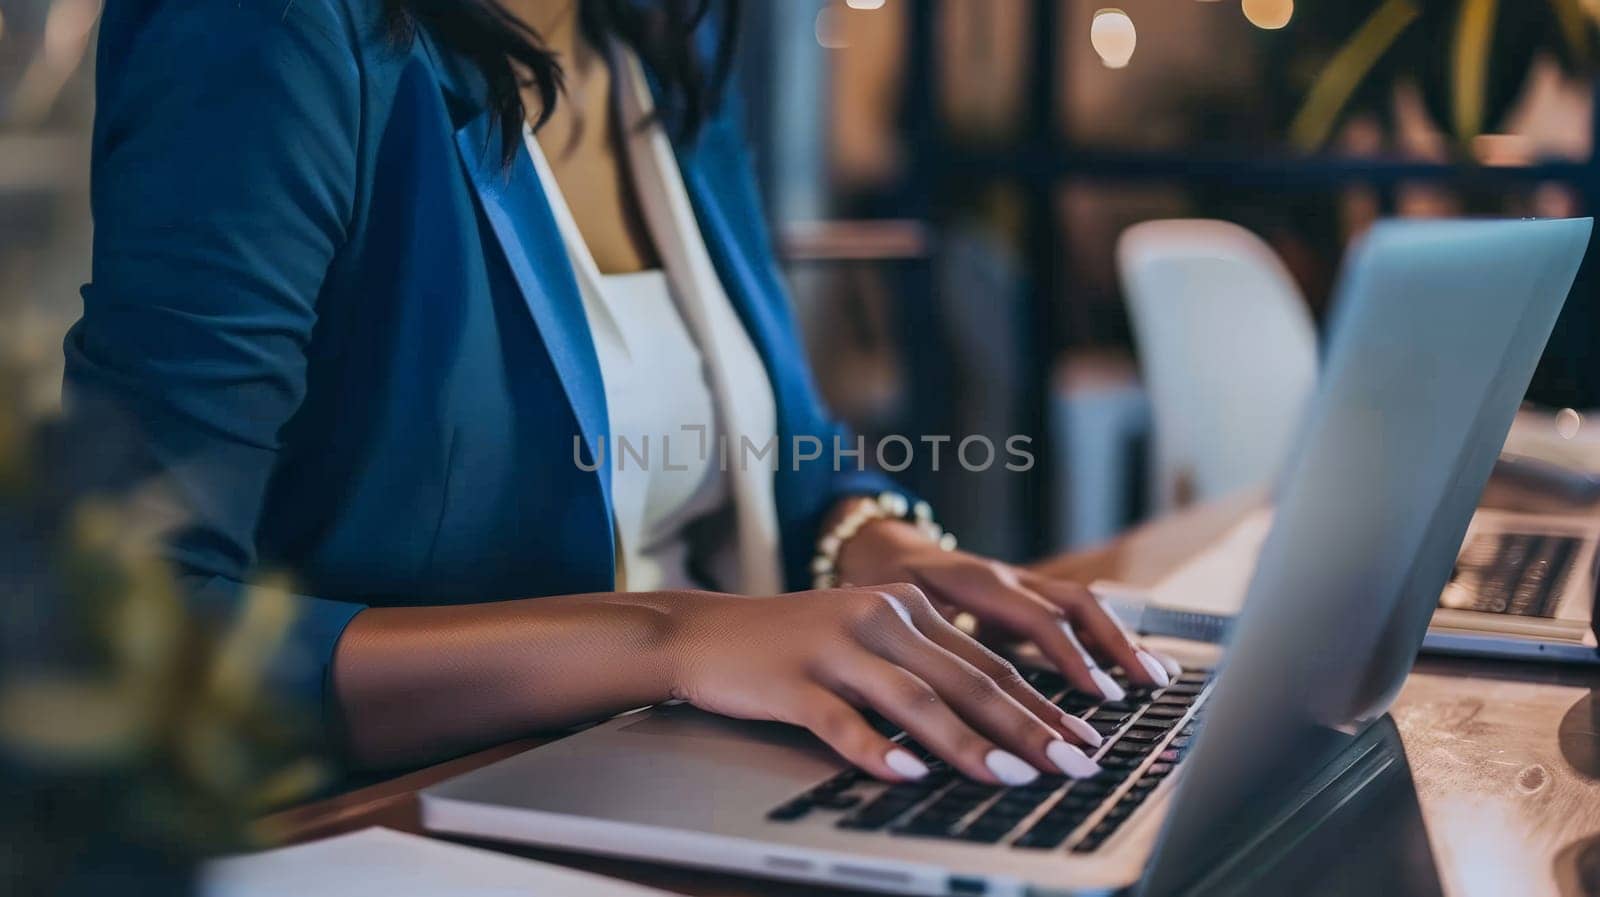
{"x":520,"y":217}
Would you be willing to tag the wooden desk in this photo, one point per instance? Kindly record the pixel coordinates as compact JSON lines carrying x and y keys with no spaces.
{"x":1505,"y":757}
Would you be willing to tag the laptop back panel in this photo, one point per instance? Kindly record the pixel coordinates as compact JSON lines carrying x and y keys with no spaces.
{"x":1439,"y":328}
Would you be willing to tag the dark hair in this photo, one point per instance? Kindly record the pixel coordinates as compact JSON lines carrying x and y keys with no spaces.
{"x":511,"y":54}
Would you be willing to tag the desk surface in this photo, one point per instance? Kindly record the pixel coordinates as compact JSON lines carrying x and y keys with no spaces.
{"x":1505,"y":757}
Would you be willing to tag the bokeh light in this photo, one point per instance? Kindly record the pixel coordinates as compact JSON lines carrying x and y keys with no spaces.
{"x":1568,"y":423}
{"x":1269,"y":14}
{"x":1113,"y":37}
{"x":830,"y":28}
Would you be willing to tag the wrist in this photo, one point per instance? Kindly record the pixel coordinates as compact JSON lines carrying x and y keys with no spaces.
{"x":845,"y":531}
{"x":873,"y":556}
{"x":866,"y":541}
{"x":635,"y":642}
{"x":695,"y":625}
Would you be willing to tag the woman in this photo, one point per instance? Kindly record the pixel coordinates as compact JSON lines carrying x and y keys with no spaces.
{"x":379,"y":279}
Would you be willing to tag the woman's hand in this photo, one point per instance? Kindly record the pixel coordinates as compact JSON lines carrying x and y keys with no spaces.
{"x":816,"y":659}
{"x":1062,"y":619}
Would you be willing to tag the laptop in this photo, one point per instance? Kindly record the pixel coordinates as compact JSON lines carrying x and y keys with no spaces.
{"x":1437,"y":332}
{"x":1524,"y":588}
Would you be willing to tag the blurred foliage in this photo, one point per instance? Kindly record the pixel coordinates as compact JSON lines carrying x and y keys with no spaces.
{"x":1468,"y":57}
{"x":136,"y":732}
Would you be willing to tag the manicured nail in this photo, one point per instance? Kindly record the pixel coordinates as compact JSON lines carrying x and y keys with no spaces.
{"x":1154,"y":668}
{"x":1109,"y":689}
{"x":1071,"y":761}
{"x":1173,"y":668}
{"x":1081,"y":730}
{"x":903,"y":762}
{"x":1009,"y":768}
{"x":1108,"y":686}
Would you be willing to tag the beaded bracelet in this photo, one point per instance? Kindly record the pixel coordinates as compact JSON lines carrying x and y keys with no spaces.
{"x":887,"y":506}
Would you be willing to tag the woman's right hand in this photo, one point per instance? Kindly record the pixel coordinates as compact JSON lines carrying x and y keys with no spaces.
{"x":816,"y":659}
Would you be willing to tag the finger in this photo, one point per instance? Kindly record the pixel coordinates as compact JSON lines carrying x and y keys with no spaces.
{"x":1027,"y":615}
{"x":1060,"y":644}
{"x":912,"y":704}
{"x":1168,"y":662}
{"x":1101,"y":632}
{"x":979,"y":700}
{"x":923,"y":614}
{"x":842,"y":728}
{"x":1005,"y":675}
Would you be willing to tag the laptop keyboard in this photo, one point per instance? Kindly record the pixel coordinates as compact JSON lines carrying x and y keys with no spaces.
{"x":1147,"y":734}
{"x":1521,"y":574}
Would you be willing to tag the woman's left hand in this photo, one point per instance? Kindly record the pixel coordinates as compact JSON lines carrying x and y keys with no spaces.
{"x":1063,"y":619}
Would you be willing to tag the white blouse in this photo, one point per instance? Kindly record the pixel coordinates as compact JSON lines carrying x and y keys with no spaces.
{"x":684,"y":386}
{"x":664,"y":475}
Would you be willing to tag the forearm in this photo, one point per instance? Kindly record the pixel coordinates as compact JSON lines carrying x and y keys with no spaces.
{"x":415,"y":684}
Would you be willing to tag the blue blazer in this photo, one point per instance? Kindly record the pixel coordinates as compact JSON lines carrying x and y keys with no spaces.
{"x":350,"y":339}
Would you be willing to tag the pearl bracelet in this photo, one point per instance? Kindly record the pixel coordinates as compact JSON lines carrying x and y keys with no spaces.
{"x":887,"y":506}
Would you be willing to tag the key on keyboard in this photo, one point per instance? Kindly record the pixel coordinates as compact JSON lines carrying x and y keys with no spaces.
{"x":1522,"y":574}
{"x":1045,"y":813}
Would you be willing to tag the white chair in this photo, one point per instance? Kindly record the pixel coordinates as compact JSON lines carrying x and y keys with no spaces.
{"x":1228,"y":353}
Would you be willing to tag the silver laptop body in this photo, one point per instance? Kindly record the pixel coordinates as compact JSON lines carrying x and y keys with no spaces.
{"x":1438,"y":330}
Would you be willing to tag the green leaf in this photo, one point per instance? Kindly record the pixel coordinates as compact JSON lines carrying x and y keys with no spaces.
{"x":1470,"y":65}
{"x":1346,"y":70}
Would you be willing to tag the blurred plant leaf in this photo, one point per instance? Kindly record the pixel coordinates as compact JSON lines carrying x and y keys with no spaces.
{"x":291,"y":783}
{"x":247,"y":649}
{"x":1470,"y":66}
{"x":1480,"y":56}
{"x":113,"y":569}
{"x":72,"y":723}
{"x":214,"y":754}
{"x":134,"y":718}
{"x":1344,"y":73}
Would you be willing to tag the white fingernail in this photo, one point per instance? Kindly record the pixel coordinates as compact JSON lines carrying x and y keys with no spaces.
{"x":1154,"y":668}
{"x":1009,"y":768}
{"x":905,"y":763}
{"x":1081,"y":730}
{"x":1173,"y":668}
{"x":1071,"y":761}
{"x":1108,"y":686}
{"x":1109,"y":689}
